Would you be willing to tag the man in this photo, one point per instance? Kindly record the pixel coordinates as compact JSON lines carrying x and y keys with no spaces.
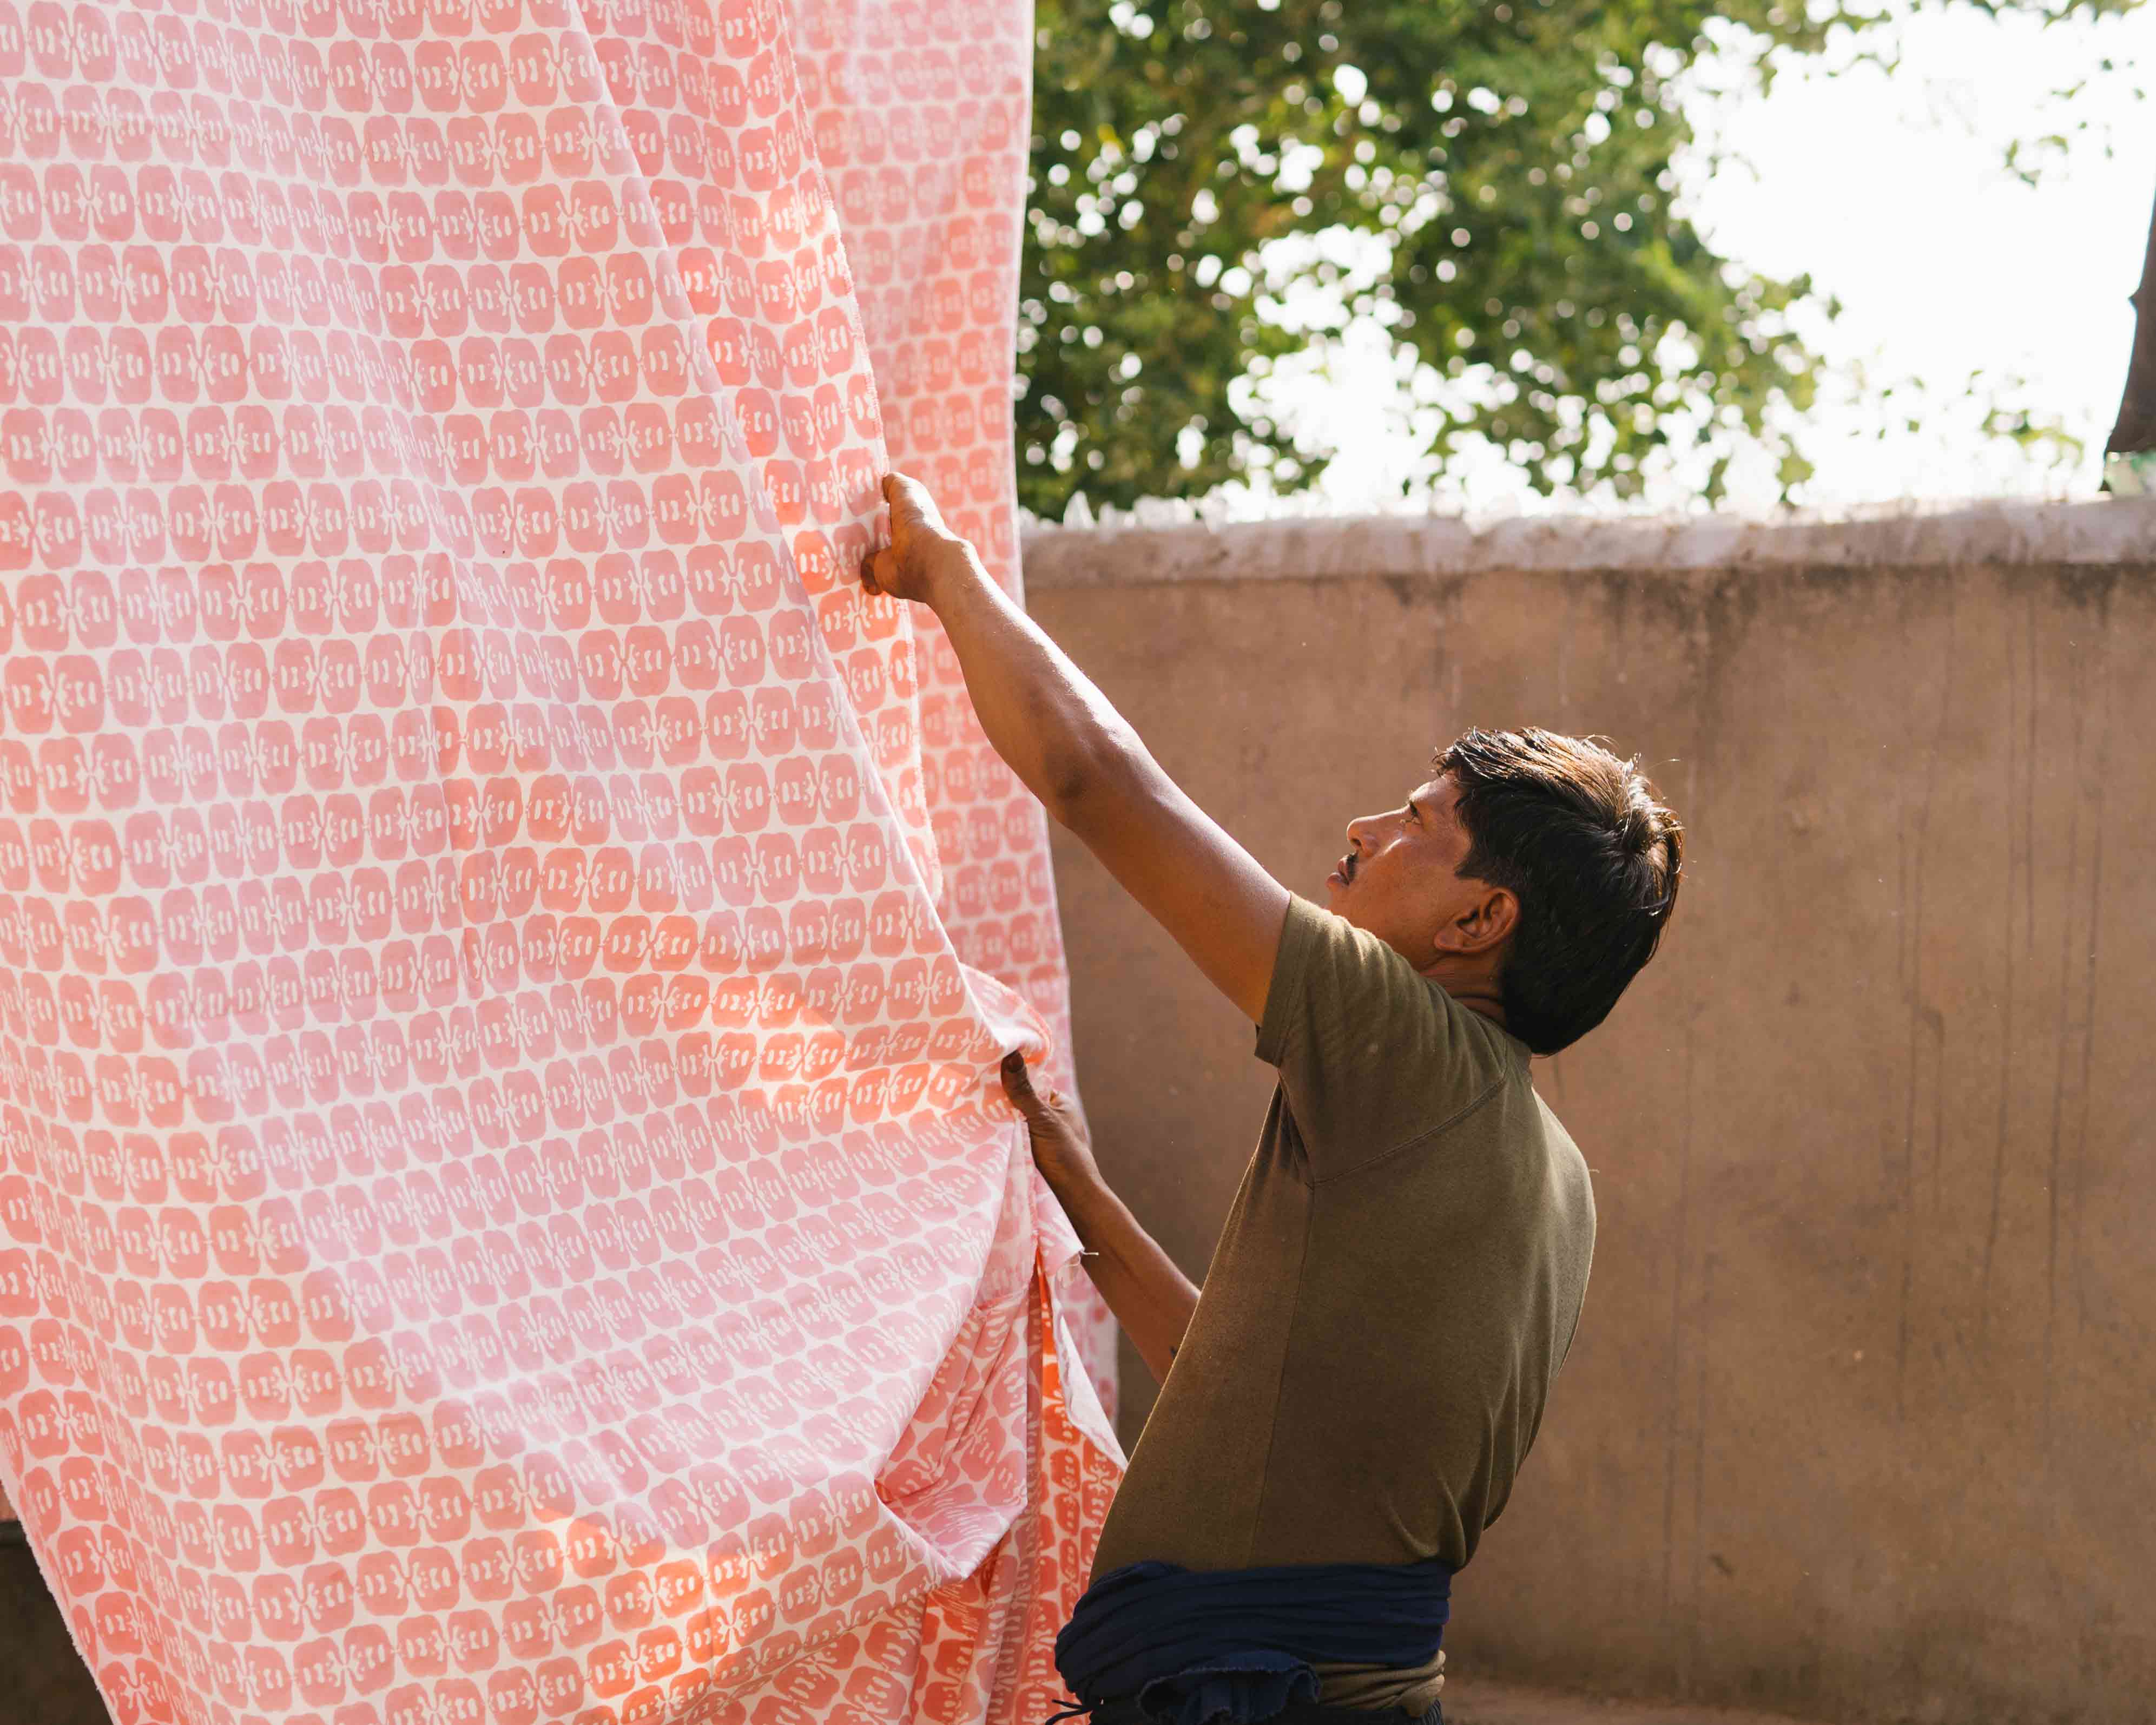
{"x":1343,"y":1411}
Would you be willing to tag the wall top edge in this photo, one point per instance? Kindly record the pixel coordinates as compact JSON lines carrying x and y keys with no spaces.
{"x":2113,"y":531}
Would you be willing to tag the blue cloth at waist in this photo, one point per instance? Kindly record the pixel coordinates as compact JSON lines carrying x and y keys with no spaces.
{"x":1196,"y":1647}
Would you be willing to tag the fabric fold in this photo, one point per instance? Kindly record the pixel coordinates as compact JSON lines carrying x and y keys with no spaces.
{"x":504,"y":1205}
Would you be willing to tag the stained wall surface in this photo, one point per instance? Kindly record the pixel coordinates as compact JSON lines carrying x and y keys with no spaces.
{"x":1859,"y":1422}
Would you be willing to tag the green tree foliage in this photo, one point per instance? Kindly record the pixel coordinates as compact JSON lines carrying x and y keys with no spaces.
{"x":1514,"y":158}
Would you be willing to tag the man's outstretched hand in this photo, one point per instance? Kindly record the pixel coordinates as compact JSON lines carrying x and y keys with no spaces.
{"x":921,"y":546}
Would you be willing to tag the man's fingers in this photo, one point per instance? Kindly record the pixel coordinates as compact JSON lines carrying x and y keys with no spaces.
{"x":910,"y":502}
{"x":879,"y":568}
{"x":901,"y":492}
{"x":1018,"y":1084}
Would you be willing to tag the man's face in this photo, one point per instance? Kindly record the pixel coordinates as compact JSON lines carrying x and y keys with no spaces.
{"x":1400,"y":879}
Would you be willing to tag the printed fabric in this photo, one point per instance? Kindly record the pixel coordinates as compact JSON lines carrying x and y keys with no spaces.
{"x":506,"y":1210}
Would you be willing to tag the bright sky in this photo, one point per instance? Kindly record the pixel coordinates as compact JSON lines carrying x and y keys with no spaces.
{"x":1891,"y":190}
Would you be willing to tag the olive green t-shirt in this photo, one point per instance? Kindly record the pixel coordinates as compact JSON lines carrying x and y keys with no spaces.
{"x":1394,"y":1289}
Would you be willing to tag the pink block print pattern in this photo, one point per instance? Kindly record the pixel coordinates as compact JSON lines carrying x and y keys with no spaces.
{"x":505,"y":1211}
{"x":920,"y":115}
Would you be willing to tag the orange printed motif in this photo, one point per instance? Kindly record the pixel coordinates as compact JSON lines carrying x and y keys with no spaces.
{"x":506,"y":1210}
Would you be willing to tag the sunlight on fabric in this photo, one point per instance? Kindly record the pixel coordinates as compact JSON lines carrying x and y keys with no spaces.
{"x":506,"y":1210}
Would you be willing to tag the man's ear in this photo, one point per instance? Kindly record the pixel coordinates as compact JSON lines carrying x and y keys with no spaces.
{"x":1482,"y":926}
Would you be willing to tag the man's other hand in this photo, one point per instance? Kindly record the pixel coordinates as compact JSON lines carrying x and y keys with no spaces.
{"x":1151,"y":1298}
{"x":1060,"y":1148}
{"x":921,"y":546}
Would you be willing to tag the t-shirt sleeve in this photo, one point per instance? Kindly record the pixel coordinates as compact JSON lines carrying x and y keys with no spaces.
{"x":1371,"y":1054}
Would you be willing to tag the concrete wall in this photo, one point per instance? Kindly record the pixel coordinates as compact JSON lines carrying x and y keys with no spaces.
{"x":1862,"y":1419}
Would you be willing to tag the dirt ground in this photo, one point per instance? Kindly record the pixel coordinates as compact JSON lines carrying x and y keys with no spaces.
{"x":1471,"y":1701}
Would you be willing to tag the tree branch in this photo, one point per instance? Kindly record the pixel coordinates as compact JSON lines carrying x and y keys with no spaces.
{"x":2136,"y":430}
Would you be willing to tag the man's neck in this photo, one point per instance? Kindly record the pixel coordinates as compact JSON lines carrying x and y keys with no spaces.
{"x":1472,"y":985}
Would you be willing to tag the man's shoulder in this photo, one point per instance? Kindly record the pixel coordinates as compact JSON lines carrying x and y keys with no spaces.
{"x":1571,"y":1180}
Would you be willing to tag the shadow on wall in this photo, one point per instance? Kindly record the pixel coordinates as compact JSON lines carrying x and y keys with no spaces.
{"x":1856,"y":1425}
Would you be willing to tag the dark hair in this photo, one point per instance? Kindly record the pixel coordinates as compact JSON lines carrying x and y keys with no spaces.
{"x":1584,"y":843}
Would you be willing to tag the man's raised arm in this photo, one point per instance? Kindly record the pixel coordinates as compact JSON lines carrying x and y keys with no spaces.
{"x":1082,"y":759}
